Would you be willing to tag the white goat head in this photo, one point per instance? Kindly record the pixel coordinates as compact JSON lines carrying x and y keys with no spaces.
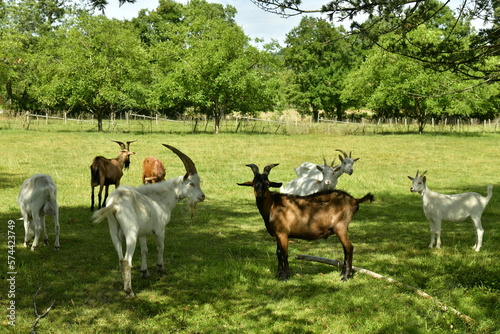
{"x":347,"y":162}
{"x":191,"y":181}
{"x":330,"y":174}
{"x":418,"y":183}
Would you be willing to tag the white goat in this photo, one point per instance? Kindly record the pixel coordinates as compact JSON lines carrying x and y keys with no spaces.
{"x":454,"y":208}
{"x":304,"y":186}
{"x":309,"y":173}
{"x":37,"y":198}
{"x":309,"y":170}
{"x":134,"y":213}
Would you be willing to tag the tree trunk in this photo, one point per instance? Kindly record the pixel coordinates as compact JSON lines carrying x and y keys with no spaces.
{"x":339,"y":111}
{"x":9,"y":97}
{"x":99,"y":122}
{"x":315,"y":115}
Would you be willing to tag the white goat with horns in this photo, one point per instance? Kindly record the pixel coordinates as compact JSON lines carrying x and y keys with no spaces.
{"x":314,"y":178}
{"x":134,"y":213}
{"x":454,"y":208}
{"x":326,"y":179}
{"x":38,"y":198}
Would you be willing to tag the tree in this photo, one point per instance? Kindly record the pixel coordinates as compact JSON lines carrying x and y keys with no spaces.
{"x":204,"y":60}
{"x":93,"y":63}
{"x":319,"y":57}
{"x":22,"y":24}
{"x":394,"y":86}
{"x":372,"y":19}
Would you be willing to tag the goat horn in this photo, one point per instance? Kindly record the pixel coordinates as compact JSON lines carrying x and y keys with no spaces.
{"x":345,"y":154}
{"x":333,"y":162}
{"x":128,"y":144}
{"x":350,"y":152}
{"x":254,"y":168}
{"x":122,"y":145}
{"x":416,"y":174}
{"x":324,"y":161}
{"x":268,"y":168}
{"x":188,"y":163}
{"x":423,"y":174}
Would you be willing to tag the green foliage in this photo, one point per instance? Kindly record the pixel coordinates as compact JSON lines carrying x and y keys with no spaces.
{"x":221,"y":264}
{"x":194,"y":60}
{"x":319,"y":56}
{"x":393,"y":85}
{"x":96,"y":64}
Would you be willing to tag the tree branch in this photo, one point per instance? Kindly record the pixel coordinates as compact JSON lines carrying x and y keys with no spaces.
{"x":39,"y":316}
{"x":388,"y":279}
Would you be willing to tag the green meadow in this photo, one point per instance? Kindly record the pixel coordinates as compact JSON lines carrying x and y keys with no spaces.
{"x":221,"y":264}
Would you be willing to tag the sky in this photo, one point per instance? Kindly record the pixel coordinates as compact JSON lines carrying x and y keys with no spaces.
{"x":256,"y":23}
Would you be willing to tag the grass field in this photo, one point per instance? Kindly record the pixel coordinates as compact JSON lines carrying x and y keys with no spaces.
{"x":221,"y":265}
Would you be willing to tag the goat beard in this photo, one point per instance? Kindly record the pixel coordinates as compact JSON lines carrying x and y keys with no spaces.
{"x":192,"y":207}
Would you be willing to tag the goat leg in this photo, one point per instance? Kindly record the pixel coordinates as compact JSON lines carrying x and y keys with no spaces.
{"x":127,"y":278}
{"x":348,"y":251}
{"x":92,"y":200}
{"x":282,"y":254}
{"x":144,"y":255}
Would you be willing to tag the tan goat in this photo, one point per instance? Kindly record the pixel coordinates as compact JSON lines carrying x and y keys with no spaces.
{"x":152,"y":170}
{"x":105,"y":172}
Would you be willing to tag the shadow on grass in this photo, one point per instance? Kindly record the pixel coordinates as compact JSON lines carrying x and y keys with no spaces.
{"x":11,"y":180}
{"x":225,"y":258}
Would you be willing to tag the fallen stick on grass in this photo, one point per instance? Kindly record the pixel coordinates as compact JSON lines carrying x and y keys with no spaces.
{"x":39,"y":316}
{"x":340,"y":264}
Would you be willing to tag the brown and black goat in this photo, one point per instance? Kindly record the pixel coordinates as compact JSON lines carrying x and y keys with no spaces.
{"x":310,"y":217}
{"x":152,"y":170}
{"x":104,"y":172}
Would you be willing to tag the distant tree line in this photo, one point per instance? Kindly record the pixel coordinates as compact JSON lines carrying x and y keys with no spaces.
{"x":193,"y":59}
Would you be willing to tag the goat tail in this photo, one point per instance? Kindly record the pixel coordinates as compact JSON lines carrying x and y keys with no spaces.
{"x":102,"y":214}
{"x":367,"y":197}
{"x":490,"y":192}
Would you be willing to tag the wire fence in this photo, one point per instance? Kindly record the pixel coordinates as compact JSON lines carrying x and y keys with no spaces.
{"x":134,"y":122}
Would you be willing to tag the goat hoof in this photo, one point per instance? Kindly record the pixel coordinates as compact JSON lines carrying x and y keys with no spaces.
{"x":283,"y":276}
{"x":144,"y":273}
{"x":160,"y":269}
{"x":56,"y":248}
{"x":129,"y":295}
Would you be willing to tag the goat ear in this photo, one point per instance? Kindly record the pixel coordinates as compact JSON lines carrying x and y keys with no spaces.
{"x":341,"y":159}
{"x":275,"y":184}
{"x":319,"y":168}
{"x":411,"y":178}
{"x":246,"y":184}
{"x":355,"y":160}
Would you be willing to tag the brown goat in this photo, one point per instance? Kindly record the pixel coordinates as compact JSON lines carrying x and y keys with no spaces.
{"x":104,"y":172}
{"x":152,"y":170}
{"x":310,"y":217}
